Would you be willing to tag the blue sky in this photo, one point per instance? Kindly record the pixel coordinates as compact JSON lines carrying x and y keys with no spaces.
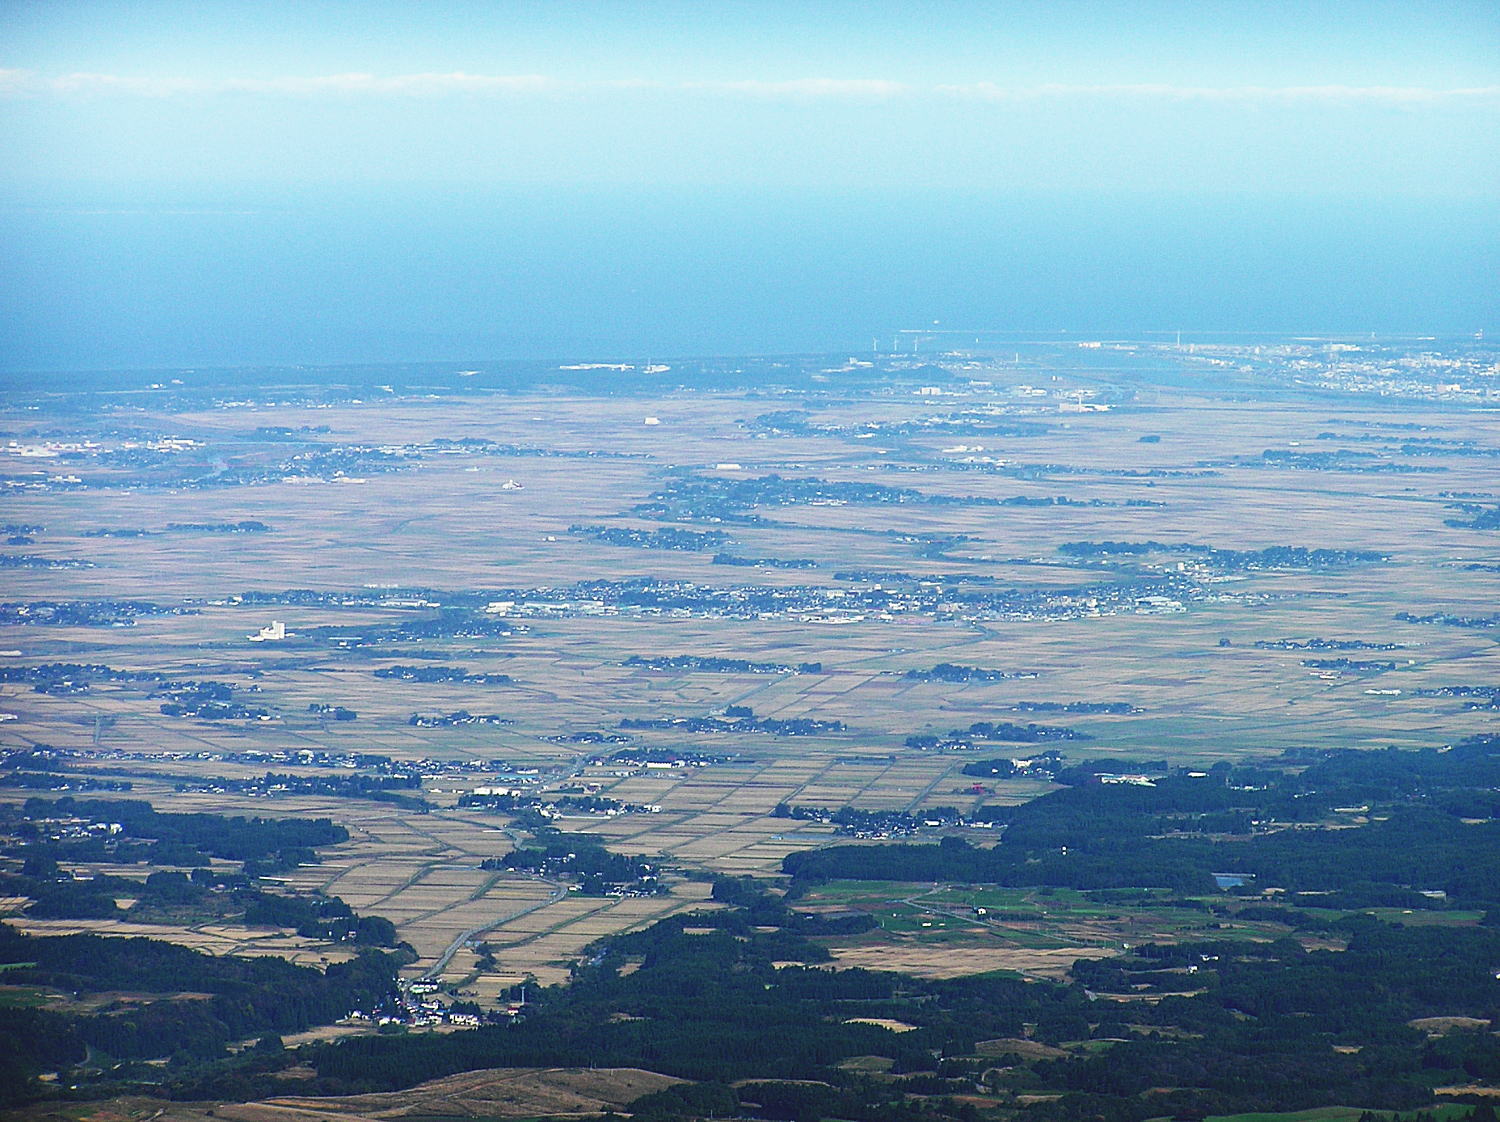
{"x":1203,"y":42}
{"x":1246,"y":96}
{"x":226,"y":133}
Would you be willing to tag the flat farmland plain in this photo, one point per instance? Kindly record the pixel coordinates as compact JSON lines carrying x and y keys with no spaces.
{"x":591,"y":580}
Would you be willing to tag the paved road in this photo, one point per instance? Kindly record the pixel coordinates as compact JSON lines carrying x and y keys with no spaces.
{"x":558,"y":892}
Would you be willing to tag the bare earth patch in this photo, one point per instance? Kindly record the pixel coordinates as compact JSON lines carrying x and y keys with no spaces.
{"x":882,"y":1022}
{"x":1439,"y":1025}
{"x":955,"y":962}
{"x":1030,"y":1049}
{"x":493,"y":1093}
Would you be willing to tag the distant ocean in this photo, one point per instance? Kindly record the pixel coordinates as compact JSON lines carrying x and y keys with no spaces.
{"x":363,"y":277}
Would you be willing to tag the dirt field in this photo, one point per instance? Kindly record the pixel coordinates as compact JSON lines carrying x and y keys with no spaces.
{"x":951,"y":962}
{"x":503,"y":1093}
{"x":494,"y":1093}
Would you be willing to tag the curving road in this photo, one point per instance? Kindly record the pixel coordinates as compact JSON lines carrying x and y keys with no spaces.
{"x":558,"y":892}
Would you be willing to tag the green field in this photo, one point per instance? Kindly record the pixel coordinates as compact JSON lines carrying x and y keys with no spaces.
{"x":1030,"y":918}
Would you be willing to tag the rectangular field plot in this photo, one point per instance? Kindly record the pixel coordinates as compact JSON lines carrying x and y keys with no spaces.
{"x":209,"y":938}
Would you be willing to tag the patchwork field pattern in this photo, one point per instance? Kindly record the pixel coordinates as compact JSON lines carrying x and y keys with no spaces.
{"x":929,"y":525}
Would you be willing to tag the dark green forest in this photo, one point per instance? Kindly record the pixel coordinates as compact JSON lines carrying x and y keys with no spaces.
{"x":1429,"y":825}
{"x":1382,"y":870}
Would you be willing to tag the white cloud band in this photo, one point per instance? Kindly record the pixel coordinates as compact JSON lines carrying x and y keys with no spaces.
{"x":31,"y":83}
